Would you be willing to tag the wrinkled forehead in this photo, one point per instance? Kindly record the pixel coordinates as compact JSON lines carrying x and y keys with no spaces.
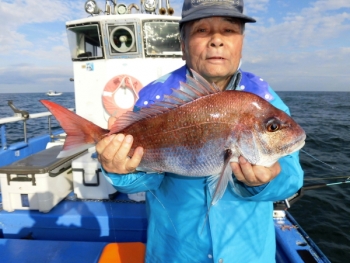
{"x":232,"y":20}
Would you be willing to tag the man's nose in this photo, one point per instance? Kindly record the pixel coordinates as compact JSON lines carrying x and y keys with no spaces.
{"x":216,"y":41}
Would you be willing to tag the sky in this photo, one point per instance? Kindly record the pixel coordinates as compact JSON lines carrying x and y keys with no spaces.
{"x":295,"y":45}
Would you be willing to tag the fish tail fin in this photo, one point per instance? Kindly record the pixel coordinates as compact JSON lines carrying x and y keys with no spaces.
{"x":81,"y":133}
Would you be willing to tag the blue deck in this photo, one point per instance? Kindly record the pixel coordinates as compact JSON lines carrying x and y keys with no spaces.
{"x":77,"y":231}
{"x":93,"y":221}
{"x":19,"y":250}
{"x":73,"y":231}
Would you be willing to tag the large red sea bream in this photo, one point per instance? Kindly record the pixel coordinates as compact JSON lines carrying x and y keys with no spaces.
{"x":196,"y":131}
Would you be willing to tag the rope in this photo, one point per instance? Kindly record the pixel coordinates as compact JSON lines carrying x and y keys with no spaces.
{"x":328,"y":178}
{"x":333,"y":167}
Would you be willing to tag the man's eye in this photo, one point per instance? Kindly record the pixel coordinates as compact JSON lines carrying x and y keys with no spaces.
{"x":230,"y":30}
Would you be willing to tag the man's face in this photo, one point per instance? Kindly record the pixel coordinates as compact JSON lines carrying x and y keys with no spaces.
{"x":213,"y":48}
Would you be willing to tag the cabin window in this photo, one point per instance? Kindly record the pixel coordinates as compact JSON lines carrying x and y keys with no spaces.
{"x":84,"y":42}
{"x":162,"y":39}
{"x":122,"y":39}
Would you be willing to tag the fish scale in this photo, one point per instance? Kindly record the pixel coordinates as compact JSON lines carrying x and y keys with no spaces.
{"x":178,"y":136}
{"x":183,"y":158}
{"x":178,"y":142}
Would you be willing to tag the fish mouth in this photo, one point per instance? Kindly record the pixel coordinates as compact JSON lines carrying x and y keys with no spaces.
{"x":296,"y":145}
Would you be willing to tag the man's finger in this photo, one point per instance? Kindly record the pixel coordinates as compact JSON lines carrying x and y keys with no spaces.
{"x":236,"y":169}
{"x":135,"y":160}
{"x":266,"y":174}
{"x":109,"y":151}
{"x":101,"y":145}
{"x":247,"y":170}
{"x":124,"y":144}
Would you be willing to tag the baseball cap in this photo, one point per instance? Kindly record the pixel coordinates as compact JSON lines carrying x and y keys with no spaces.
{"x":197,"y":9}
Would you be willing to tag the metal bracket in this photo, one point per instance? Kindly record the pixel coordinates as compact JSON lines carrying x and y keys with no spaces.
{"x":18,"y":112}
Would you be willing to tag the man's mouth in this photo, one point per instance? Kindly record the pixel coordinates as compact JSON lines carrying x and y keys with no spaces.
{"x":216,"y":58}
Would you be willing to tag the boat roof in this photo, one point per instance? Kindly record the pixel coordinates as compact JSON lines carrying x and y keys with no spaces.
{"x":101,"y":18}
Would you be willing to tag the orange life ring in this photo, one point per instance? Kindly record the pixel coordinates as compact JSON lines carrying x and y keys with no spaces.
{"x":120,"y":94}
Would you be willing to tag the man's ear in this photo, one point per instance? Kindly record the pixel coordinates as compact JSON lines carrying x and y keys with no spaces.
{"x":183,"y":50}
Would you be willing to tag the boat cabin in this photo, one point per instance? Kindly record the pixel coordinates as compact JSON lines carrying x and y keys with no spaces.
{"x":114,"y":56}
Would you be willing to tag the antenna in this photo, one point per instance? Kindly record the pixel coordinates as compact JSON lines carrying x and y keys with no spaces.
{"x":170,"y":10}
{"x":162,"y":10}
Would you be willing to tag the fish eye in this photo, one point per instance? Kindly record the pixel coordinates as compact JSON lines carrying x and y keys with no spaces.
{"x":273,"y":125}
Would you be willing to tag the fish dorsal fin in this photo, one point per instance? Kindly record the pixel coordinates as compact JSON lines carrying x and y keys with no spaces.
{"x":195,"y":88}
{"x":210,"y":89}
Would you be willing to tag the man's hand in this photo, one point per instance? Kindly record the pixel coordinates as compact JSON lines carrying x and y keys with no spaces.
{"x":254,"y":175}
{"x":113,"y":153}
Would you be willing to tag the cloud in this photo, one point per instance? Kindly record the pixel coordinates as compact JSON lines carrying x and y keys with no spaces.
{"x":17,"y":14}
{"x":9,"y":38}
{"x":320,"y":70}
{"x":309,"y":28}
{"x":34,"y":44}
{"x":255,"y":6}
{"x":326,"y":5}
{"x":294,"y":45}
{"x":26,"y":77}
{"x":309,"y":45}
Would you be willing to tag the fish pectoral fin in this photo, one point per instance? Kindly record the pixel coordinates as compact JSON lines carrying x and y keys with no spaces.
{"x":248,"y":147}
{"x":218,"y":183}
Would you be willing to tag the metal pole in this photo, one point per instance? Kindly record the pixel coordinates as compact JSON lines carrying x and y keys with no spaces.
{"x":49,"y":123}
{"x":25,"y":131}
{"x":3,"y":137}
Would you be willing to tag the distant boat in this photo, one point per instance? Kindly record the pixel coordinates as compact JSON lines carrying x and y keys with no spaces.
{"x":53,"y":93}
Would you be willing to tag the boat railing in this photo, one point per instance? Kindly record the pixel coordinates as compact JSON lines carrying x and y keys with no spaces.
{"x":23,"y":117}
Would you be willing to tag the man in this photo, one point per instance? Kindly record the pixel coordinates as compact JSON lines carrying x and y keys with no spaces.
{"x":239,"y":227}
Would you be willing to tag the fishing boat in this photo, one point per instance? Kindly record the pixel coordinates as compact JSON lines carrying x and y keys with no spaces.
{"x":53,"y":93}
{"x":63,"y":210}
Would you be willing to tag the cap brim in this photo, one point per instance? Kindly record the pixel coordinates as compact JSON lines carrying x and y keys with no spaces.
{"x":217,"y":11}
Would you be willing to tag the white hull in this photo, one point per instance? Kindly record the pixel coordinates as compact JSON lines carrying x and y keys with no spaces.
{"x":54,"y":94}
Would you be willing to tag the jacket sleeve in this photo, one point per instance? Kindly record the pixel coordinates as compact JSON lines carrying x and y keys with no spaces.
{"x":287,"y":183}
{"x":134,"y":182}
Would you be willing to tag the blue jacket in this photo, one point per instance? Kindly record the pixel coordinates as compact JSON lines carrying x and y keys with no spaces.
{"x":239,"y":228}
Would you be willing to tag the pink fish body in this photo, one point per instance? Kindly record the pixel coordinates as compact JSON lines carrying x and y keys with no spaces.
{"x":196,"y":131}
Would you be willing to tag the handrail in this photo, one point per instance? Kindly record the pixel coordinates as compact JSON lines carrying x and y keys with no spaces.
{"x":31,"y":116}
{"x":24,"y":119}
